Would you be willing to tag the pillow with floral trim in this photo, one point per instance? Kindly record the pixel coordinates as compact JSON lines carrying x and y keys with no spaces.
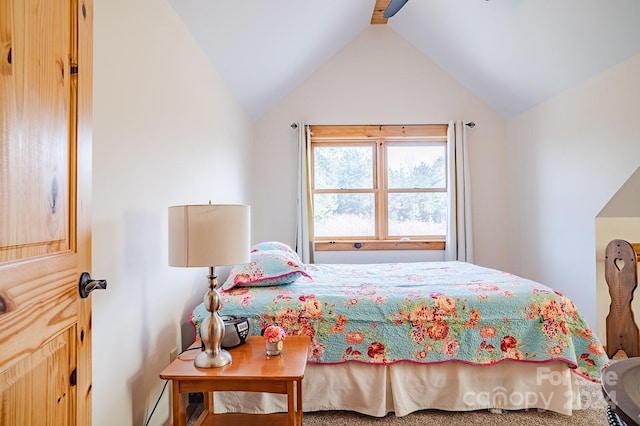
{"x":267,"y":268}
{"x":276,"y":245}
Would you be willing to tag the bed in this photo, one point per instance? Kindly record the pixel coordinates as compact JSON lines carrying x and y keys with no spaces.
{"x":402,"y":337}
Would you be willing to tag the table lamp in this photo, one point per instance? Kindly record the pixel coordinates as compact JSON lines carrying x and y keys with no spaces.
{"x":210,"y":235}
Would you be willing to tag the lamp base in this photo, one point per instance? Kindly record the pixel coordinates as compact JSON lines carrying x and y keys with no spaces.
{"x":212,"y":330}
{"x":210,"y":360}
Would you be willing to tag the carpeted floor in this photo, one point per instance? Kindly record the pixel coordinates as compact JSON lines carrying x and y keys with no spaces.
{"x":594,"y":413}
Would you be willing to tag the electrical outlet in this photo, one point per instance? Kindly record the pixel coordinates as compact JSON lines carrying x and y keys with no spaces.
{"x":173,"y":354}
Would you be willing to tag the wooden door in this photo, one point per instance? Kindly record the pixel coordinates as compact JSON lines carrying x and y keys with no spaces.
{"x":45,"y":224}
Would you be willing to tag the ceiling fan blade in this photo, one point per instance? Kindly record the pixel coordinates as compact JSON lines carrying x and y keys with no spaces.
{"x":394,"y":7}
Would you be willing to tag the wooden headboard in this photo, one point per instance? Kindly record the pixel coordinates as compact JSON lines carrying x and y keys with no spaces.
{"x":621,"y":273}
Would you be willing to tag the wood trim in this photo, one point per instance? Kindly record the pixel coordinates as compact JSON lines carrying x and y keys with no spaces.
{"x":84,"y":129}
{"x":381,"y":197}
{"x":422,"y":131}
{"x":377,"y":17}
{"x":343,"y":245}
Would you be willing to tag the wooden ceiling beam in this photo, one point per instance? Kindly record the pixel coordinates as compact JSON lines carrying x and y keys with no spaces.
{"x":377,"y":17}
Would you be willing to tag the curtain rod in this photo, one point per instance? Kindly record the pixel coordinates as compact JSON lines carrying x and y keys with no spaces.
{"x":471,"y":125}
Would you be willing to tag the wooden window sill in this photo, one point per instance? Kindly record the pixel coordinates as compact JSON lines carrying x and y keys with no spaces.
{"x":344,"y":245}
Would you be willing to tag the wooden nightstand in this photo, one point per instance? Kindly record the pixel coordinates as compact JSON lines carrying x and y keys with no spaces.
{"x":249,"y":371}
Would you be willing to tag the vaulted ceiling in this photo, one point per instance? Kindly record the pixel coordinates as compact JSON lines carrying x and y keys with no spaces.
{"x":513,"y":54}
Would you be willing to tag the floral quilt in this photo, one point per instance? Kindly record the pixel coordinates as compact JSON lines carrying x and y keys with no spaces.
{"x":424,"y":312}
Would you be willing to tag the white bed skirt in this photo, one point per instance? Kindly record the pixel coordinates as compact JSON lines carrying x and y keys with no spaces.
{"x":405,"y":387}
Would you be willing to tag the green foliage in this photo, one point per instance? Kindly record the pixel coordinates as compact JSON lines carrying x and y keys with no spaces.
{"x":343,"y":167}
{"x":422,"y":175}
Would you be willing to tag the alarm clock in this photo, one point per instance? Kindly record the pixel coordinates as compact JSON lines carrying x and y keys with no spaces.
{"x":236,"y":330}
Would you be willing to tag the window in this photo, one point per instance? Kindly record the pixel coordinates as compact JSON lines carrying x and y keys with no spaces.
{"x":379,"y":187}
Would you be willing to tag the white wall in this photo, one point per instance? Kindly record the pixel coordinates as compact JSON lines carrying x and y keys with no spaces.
{"x":568,"y":157}
{"x":379,"y":78}
{"x":166,"y":132}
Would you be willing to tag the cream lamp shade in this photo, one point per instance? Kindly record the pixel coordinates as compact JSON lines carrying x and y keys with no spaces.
{"x":209,"y":235}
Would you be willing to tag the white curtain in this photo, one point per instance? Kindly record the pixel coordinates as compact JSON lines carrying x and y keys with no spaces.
{"x":459,"y":241}
{"x":304,"y":224}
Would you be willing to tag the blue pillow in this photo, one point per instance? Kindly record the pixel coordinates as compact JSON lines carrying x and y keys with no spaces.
{"x":278,"y":246}
{"x":267,"y":268}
